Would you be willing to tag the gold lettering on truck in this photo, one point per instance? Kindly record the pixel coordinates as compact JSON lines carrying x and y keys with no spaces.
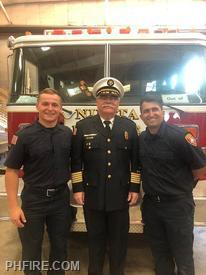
{"x":83,"y":113}
{"x":133,"y":115}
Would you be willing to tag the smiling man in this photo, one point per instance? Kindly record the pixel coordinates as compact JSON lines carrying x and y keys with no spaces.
{"x":171,"y":162}
{"x":43,"y":150}
{"x":105,"y":176}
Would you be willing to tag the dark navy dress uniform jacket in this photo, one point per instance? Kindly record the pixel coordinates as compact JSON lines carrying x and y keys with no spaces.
{"x":105,"y":168}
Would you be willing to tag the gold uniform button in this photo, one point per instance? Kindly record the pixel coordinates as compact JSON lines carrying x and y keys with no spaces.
{"x":109,"y":151}
{"x":109,"y":176}
{"x":109,"y":139}
{"x":109,"y":164}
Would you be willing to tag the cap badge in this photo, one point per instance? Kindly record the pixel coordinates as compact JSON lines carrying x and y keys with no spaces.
{"x":110,"y":82}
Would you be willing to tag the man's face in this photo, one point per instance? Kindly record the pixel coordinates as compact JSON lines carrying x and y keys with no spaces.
{"x":107,"y":105}
{"x":152,"y":115}
{"x":49,"y":108}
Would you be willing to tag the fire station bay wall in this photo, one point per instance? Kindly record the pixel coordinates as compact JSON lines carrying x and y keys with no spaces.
{"x":67,"y":13}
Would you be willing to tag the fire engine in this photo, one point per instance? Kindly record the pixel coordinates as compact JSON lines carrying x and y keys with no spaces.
{"x":170,"y":64}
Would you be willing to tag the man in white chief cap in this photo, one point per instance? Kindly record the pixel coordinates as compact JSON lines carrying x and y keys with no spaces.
{"x":105,"y":176}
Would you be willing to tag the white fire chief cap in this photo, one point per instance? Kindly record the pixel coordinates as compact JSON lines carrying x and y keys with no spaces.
{"x":108,"y":86}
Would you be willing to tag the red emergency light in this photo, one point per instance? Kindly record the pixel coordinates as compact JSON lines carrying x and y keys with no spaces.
{"x":94,"y":31}
{"x":58,"y":32}
{"x":125,"y":30}
{"x":143,"y":30}
{"x":77,"y":31}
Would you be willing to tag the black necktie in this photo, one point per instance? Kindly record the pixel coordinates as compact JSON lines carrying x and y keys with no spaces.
{"x":107,"y":128}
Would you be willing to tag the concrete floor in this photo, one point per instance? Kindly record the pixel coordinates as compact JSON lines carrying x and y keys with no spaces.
{"x":139,"y":259}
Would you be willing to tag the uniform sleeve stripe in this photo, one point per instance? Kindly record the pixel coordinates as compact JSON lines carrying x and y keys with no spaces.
{"x":77,"y":177}
{"x":135,"y":177}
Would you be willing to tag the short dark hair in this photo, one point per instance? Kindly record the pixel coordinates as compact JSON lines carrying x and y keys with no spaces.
{"x":151,"y":98}
{"x":49,"y":91}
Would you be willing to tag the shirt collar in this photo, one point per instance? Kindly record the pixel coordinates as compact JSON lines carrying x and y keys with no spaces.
{"x":42,"y":127}
{"x":111,"y":120}
{"x":160,"y":133}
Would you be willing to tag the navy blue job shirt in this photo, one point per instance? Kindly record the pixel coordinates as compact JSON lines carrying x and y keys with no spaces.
{"x":44,"y":154}
{"x":167,"y":160}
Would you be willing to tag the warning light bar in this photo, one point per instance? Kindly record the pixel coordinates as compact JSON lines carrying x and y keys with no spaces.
{"x":123,"y":30}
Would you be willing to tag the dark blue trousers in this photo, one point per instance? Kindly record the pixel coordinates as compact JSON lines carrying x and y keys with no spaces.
{"x":107,"y":229}
{"x":169,"y":228}
{"x":54,"y":214}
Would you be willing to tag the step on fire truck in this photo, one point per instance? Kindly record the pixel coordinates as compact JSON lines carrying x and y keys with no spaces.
{"x":172,"y":65}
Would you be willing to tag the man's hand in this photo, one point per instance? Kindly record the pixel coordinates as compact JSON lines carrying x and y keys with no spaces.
{"x":17,"y":217}
{"x":79,"y":198}
{"x":132,"y":198}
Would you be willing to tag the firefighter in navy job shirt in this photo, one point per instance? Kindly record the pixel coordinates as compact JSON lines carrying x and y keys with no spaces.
{"x":105,"y":176}
{"x":43,"y":150}
{"x":171,"y":162}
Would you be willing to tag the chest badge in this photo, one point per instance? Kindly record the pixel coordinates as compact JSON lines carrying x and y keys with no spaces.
{"x":89,"y":136}
{"x":126,"y":135}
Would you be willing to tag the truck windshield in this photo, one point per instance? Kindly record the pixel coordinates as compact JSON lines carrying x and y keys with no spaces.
{"x":175,"y":72}
{"x":72,"y":70}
